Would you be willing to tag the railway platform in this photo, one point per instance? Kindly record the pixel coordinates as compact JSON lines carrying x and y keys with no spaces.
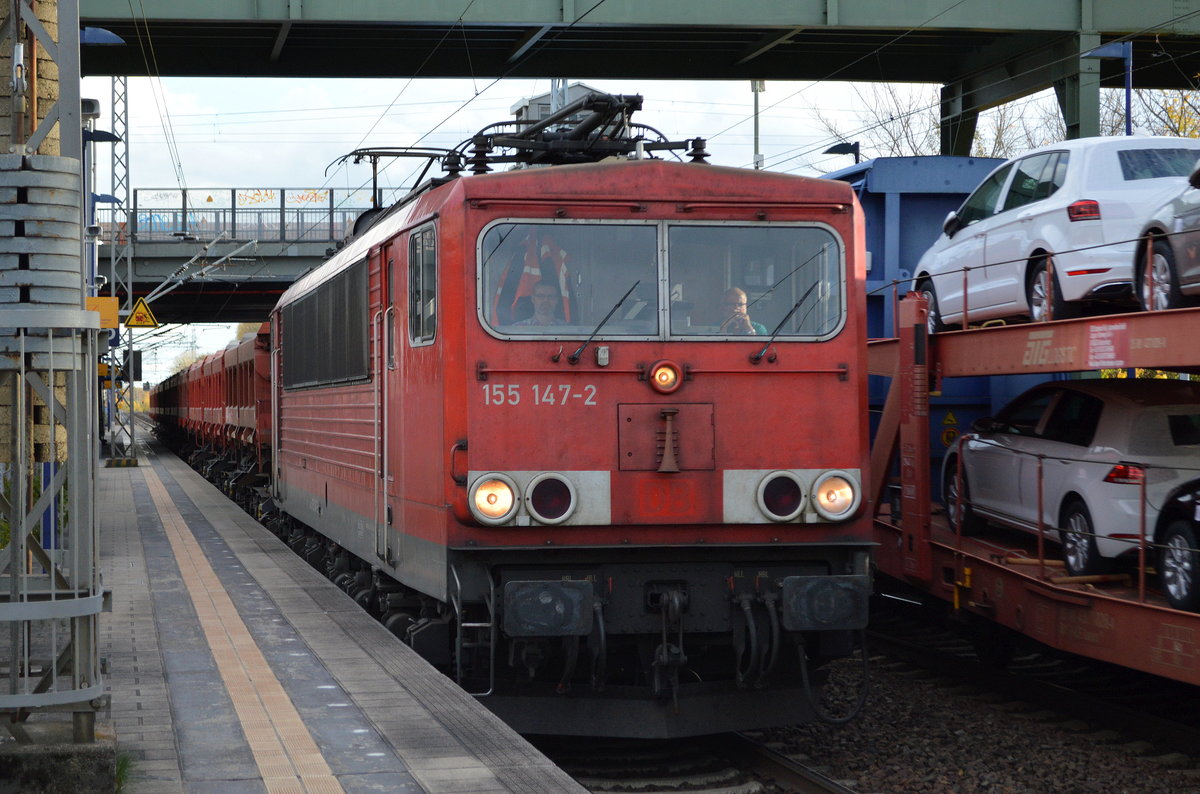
{"x":233,"y":666}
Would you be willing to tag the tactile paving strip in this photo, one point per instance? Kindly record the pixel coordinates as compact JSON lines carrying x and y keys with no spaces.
{"x":283,"y":749}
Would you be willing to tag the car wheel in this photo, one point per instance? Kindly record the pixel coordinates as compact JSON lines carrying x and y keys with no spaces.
{"x":1045,"y":295}
{"x":1179,"y":566}
{"x":966,"y":523}
{"x":933,"y":320}
{"x":1079,"y":542}
{"x":1158,"y":284}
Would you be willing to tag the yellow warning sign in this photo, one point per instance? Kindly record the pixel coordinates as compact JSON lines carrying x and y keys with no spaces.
{"x":141,"y":316}
{"x":108,"y":309}
{"x":949,"y":420}
{"x":949,"y":436}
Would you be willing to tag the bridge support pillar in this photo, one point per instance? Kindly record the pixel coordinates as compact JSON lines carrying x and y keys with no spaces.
{"x":1079,"y":92}
{"x":958,"y":121}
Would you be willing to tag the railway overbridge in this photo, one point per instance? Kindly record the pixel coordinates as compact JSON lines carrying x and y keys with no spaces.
{"x":983,"y":53}
{"x":226,"y":254}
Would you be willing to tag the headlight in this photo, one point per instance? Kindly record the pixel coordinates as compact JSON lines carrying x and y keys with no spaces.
{"x":550,"y":498}
{"x":493,"y":499}
{"x":664,"y":376}
{"x":781,"y":496}
{"x":835,"y":495}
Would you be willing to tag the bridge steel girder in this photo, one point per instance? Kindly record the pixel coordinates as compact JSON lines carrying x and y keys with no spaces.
{"x":670,"y":39}
{"x":1011,"y":15}
{"x":1010,"y":70}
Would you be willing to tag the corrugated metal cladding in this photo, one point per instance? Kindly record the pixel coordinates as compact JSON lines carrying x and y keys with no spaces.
{"x":325,"y":332}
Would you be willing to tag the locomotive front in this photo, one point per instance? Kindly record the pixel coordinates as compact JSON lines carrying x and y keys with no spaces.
{"x":660,"y":450}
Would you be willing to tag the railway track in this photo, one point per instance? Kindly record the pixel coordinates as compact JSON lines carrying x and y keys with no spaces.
{"x":730,"y":763}
{"x":1137,"y":705}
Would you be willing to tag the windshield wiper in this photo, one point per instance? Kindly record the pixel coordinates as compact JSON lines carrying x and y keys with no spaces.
{"x":788,"y":275}
{"x":574,"y":357}
{"x":757,"y":357}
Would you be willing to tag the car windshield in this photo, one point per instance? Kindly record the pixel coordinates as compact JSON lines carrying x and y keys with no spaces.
{"x":1155,"y":163}
{"x":721,"y":281}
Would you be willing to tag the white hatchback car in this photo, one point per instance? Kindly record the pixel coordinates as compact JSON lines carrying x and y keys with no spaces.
{"x":1095,"y":443}
{"x":1172,"y":277}
{"x":1077,"y":204}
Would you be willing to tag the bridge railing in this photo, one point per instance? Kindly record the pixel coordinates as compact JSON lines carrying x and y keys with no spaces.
{"x":263,"y":214}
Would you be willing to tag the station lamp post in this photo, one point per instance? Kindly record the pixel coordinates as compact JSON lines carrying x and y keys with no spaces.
{"x":757,"y":86}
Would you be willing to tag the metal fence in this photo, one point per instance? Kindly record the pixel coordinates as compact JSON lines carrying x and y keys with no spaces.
{"x":263,"y":214}
{"x":50,"y":591}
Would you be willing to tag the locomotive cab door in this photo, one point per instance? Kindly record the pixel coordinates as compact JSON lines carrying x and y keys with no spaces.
{"x":388,"y":392}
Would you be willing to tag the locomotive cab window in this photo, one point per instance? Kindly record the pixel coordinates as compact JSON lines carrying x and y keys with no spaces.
{"x":564,"y":278}
{"x":422,"y":287}
{"x":729,"y":281}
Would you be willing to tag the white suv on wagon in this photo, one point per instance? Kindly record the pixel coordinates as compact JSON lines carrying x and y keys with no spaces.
{"x":1051,"y":229}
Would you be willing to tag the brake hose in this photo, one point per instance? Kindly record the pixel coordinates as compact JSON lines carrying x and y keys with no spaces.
{"x":820,"y":713}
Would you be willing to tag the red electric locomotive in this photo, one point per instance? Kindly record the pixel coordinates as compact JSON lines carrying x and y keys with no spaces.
{"x":598,"y":429}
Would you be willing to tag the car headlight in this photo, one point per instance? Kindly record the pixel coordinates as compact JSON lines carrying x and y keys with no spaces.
{"x":550,"y":498}
{"x":835,"y":495}
{"x":781,"y":496}
{"x":493,"y":499}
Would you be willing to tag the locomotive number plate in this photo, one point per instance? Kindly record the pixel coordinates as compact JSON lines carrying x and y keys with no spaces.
{"x":678,"y":499}
{"x":539,"y":394}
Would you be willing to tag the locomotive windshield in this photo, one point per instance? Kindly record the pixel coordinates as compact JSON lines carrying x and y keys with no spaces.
{"x":718,"y":281}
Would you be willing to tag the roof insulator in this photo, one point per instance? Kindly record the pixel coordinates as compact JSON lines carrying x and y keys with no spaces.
{"x":480,"y":146}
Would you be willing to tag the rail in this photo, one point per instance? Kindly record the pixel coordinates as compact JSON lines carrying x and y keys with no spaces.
{"x":264,"y":214}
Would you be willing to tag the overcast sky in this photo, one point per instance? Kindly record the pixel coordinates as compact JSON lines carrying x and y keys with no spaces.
{"x":252,"y":132}
{"x":257,"y":132}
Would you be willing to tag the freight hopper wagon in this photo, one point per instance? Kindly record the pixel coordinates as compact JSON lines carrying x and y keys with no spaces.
{"x":591,"y":435}
{"x":219,"y":409}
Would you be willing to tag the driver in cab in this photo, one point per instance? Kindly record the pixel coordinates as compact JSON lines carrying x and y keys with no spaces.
{"x":546,"y":299}
{"x":737,"y":320}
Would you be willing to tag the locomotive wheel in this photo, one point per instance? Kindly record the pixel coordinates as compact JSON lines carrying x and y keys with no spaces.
{"x":397,"y":623}
{"x":363,"y":598}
